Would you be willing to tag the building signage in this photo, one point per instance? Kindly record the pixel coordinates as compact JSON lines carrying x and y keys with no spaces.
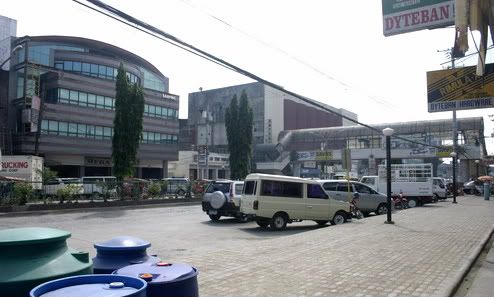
{"x":21,"y":167}
{"x":97,"y":162}
{"x":315,"y":156}
{"x":460,"y":89}
{"x":401,"y":16}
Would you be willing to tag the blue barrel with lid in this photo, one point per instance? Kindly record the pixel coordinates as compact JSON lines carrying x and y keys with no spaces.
{"x":94,"y":285}
{"x":119,"y":252}
{"x":165,"y":279}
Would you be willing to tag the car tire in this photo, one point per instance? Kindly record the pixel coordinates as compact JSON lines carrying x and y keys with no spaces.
{"x":338,"y":219}
{"x":262,"y":223}
{"x":412,"y":203}
{"x":215,"y":218}
{"x":218,"y":199}
{"x":321,"y":223}
{"x":381,"y":209}
{"x":278,"y":222}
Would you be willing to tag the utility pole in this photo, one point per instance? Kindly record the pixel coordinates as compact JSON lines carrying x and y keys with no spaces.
{"x":455,"y":140}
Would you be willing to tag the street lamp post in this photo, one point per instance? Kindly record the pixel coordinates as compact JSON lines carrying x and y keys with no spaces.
{"x":453,"y":156}
{"x":388,"y":132}
{"x":477,"y":167}
{"x":16,"y":48}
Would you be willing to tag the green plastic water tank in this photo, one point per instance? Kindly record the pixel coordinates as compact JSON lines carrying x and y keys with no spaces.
{"x":32,"y":256}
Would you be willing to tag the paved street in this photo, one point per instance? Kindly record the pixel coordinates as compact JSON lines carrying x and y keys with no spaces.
{"x":423,"y":254}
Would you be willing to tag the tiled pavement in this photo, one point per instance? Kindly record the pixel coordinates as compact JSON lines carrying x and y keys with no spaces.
{"x":425,"y":253}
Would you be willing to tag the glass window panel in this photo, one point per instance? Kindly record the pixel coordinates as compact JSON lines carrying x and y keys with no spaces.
{"x":63,"y":128}
{"x":91,"y":100}
{"x":53,"y":125}
{"x":102,"y":71}
{"x":108,"y":102}
{"x":145,"y":137}
{"x":64,"y":94}
{"x":86,"y":68}
{"x":77,"y":66}
{"x":74,"y":96}
{"x":72,"y":129}
{"x":115,"y":72}
{"x":59,"y":65}
{"x":158,"y":111}
{"x":146,"y":109}
{"x":100,"y":101}
{"x":94,"y":70}
{"x":90,"y":131}
{"x":44,"y":125}
{"x":99,"y":132}
{"x":82,"y":99}
{"x":109,"y":72}
{"x":81,"y":130}
{"x":67,"y":65}
{"x":152,"y":110}
{"x":174,"y":138}
{"x":107,"y":132}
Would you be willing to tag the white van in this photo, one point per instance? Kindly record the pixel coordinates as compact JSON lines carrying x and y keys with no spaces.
{"x":276,"y":200}
{"x":97,"y":185}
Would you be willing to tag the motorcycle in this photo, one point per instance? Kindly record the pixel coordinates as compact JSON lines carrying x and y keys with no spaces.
{"x":400,"y":201}
{"x":354,"y":210}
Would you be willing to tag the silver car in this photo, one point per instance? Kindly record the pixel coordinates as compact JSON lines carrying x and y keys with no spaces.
{"x":369,"y":199}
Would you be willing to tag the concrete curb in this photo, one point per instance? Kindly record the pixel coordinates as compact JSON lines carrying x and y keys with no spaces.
{"x":91,"y":209}
{"x":463,"y":271}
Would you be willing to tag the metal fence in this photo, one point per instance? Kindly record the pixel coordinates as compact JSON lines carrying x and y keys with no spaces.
{"x":23,"y":192}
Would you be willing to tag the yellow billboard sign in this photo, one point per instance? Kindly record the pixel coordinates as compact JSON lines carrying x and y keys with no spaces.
{"x":460,"y":89}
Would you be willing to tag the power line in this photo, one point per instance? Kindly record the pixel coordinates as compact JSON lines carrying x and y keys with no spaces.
{"x":289,"y":55}
{"x":155,"y":32}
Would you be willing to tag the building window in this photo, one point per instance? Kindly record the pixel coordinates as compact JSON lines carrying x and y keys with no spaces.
{"x":103,"y":102}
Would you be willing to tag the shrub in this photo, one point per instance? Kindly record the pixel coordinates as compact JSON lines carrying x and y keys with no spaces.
{"x":23,"y":192}
{"x":154,"y":189}
{"x":69,"y":192}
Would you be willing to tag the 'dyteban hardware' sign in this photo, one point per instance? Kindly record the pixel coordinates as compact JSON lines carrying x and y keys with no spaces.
{"x":400,"y":16}
{"x":460,"y":89}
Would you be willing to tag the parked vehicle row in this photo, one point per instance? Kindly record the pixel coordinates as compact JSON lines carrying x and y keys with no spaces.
{"x":275,"y":200}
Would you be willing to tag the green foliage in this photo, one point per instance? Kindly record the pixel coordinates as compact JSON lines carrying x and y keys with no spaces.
{"x":68,"y":193}
{"x":23,"y":192}
{"x":239,"y":122}
{"x":129,"y":110}
{"x":47,"y":174}
{"x":154,"y":189}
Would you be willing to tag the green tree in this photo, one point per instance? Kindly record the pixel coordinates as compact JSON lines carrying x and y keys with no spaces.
{"x":239,"y":121}
{"x":127,"y":125}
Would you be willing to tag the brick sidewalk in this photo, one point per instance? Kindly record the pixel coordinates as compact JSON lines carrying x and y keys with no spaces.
{"x":424,"y":254}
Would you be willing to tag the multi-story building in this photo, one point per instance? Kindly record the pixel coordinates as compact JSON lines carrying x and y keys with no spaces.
{"x":274,"y":111}
{"x":62,"y":104}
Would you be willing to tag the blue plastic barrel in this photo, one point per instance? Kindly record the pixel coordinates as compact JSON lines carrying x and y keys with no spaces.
{"x":119,"y":252}
{"x":92,"y":285}
{"x":487,"y":190}
{"x":165,"y":279}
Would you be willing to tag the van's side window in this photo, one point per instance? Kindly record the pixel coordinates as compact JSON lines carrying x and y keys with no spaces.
{"x":315,"y":191}
{"x":281,"y":189}
{"x":330,"y":186}
{"x":250,"y":187}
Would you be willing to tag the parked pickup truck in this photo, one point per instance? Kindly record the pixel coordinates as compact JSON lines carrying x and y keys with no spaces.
{"x":51,"y":187}
{"x":413,"y":180}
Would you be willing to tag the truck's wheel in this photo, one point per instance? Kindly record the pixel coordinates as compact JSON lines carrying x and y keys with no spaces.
{"x":215,"y":218}
{"x":412,"y":203}
{"x":278,"y":222}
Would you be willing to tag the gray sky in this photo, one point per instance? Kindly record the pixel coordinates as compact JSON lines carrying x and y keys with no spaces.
{"x":331,"y":51}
